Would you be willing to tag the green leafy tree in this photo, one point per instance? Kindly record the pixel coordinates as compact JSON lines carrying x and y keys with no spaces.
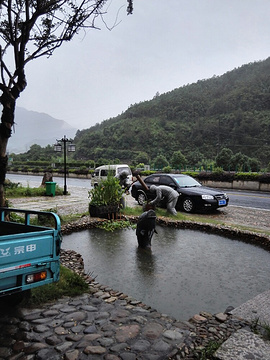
{"x":28,"y":30}
{"x":194,"y":157}
{"x":37,"y":153}
{"x":178,"y":160}
{"x":142,"y":157}
{"x":240,"y":162}
{"x":160,"y":162}
{"x":254,"y":164}
{"x":224,"y":158}
{"x":102,"y":161}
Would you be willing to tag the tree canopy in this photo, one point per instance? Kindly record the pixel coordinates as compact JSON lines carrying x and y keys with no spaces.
{"x":30,"y":29}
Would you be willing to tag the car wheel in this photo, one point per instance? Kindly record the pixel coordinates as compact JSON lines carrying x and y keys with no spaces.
{"x":188,"y":205}
{"x":141,"y":197}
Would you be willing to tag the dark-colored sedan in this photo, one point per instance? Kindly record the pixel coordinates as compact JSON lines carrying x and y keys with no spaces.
{"x":192,"y":195}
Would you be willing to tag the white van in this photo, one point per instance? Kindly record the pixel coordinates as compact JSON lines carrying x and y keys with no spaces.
{"x":101,"y":173}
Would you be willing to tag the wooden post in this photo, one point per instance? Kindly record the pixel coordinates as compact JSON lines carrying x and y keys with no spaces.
{"x":142,"y":182}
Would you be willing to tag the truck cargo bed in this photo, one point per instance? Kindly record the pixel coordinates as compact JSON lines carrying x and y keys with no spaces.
{"x":29,"y":254}
{"x":13,"y":228}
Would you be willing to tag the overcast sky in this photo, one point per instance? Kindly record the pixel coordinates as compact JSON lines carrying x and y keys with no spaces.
{"x":164,"y":45}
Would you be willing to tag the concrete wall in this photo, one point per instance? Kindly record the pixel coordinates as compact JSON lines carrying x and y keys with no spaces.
{"x":238,"y":184}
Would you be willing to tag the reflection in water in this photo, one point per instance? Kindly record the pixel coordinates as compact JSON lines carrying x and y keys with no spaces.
{"x":185,"y":271}
{"x":145,"y":261}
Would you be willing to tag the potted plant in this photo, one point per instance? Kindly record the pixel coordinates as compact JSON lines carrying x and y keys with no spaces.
{"x":105,"y":198}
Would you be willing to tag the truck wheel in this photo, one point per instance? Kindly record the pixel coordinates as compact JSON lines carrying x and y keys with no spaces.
{"x":188,"y":205}
{"x":141,"y":197}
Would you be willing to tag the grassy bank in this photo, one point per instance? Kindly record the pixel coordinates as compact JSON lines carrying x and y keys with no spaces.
{"x":70,"y":284}
{"x":16,"y":190}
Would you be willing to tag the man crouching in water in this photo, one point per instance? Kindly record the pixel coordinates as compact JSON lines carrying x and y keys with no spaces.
{"x":146,"y":227}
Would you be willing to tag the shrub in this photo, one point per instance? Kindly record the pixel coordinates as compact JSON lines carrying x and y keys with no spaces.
{"x":167,"y":169}
{"x":107,"y":192}
{"x":215,"y":176}
{"x":11,"y":185}
{"x":246,"y":176}
{"x":81,"y":171}
{"x":264,"y":178}
{"x":36,"y":170}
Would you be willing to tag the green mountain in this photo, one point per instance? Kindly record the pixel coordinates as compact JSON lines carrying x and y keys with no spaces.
{"x":229,"y":111}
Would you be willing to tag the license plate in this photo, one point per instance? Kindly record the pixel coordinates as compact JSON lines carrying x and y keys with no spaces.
{"x":222,"y":202}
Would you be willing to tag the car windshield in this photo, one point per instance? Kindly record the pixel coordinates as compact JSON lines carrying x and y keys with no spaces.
{"x":127,"y":169}
{"x":186,"y":181}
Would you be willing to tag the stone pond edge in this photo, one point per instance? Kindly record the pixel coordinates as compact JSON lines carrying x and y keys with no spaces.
{"x":204,"y":327}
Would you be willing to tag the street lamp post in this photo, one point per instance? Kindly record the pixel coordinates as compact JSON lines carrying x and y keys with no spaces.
{"x":68,"y":146}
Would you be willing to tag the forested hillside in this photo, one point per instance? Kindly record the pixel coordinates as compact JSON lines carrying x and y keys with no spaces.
{"x":229,"y":111}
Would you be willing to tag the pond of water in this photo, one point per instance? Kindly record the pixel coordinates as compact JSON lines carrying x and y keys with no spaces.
{"x":185,"y":272}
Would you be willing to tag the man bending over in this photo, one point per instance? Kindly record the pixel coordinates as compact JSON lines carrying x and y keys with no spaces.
{"x":170,"y":195}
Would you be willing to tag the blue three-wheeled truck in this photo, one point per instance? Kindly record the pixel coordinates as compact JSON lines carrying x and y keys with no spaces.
{"x":29,"y":254}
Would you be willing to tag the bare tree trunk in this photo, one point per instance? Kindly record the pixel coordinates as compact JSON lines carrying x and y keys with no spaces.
{"x":3,"y":170}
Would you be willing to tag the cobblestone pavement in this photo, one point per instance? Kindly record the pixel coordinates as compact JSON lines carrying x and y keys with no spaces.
{"x":88,"y":327}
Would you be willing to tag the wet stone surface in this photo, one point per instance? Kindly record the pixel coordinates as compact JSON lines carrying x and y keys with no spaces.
{"x":75,"y":328}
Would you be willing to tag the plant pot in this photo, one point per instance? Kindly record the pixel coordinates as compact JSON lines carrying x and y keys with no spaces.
{"x":104,"y":211}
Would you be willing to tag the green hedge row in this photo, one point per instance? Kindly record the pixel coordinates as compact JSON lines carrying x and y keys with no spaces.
{"x":230,"y":176}
{"x":35,"y":170}
{"x":48,"y":164}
